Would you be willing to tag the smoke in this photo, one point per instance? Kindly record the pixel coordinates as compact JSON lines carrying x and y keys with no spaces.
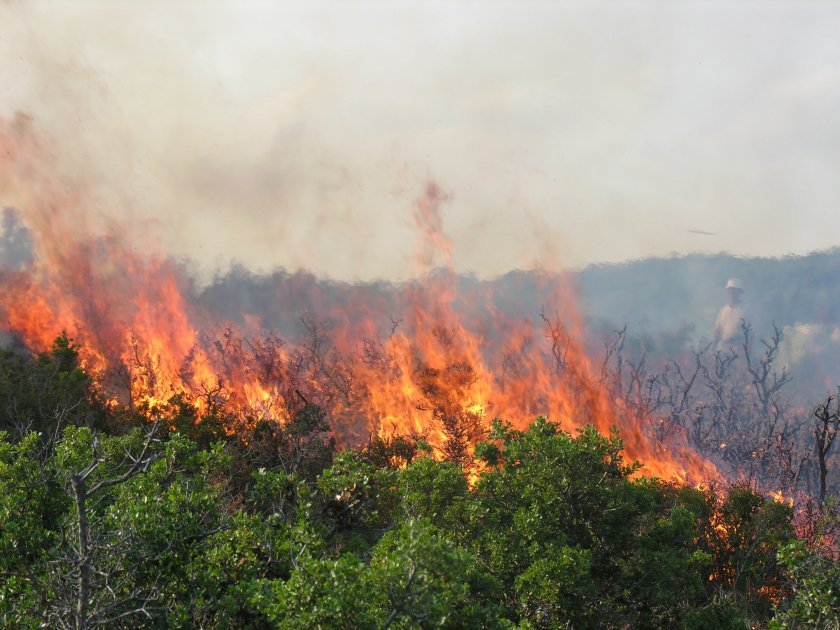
{"x":812,"y":352}
{"x":296,"y":135}
{"x":15,"y":242}
{"x":185,"y":128}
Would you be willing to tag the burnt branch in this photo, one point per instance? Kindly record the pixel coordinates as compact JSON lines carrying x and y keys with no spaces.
{"x":560,"y":341}
{"x":825,"y":432}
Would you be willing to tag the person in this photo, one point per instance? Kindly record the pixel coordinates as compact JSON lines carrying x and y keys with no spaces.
{"x":729,"y":331}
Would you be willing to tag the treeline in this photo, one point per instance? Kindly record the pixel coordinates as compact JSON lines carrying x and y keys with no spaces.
{"x":665,"y":293}
{"x":678,"y":294}
{"x":656,"y":295}
{"x":110,"y":519}
{"x":668,"y":305}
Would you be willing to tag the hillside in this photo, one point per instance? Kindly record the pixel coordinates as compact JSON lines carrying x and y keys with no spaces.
{"x":661,"y":294}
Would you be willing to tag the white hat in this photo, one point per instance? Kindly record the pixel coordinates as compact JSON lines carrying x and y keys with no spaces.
{"x":734,"y":283}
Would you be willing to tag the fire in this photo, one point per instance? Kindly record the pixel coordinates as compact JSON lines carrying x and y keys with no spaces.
{"x":780,"y":497}
{"x":450,"y":363}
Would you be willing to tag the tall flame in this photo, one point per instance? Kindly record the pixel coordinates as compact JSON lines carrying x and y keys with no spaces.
{"x":443,"y":368}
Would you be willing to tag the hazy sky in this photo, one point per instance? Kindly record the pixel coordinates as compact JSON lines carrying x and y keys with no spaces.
{"x":299,"y":134}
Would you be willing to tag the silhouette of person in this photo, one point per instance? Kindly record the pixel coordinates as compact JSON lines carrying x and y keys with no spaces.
{"x":728,"y":326}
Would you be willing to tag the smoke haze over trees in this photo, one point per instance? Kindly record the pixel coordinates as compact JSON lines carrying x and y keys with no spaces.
{"x":610,"y":133}
{"x":669,"y":304}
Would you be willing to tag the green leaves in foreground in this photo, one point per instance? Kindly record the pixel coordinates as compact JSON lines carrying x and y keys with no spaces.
{"x":415,"y":578}
{"x":552,"y":532}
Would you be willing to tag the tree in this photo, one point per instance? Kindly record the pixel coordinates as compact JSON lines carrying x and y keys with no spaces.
{"x":89,"y":473}
{"x":31,"y":505}
{"x":45,"y":393}
{"x":421,"y":579}
{"x":560,"y":519}
{"x":825,"y":431}
{"x":321,"y":593}
{"x":815,"y":582}
{"x":743,"y":535}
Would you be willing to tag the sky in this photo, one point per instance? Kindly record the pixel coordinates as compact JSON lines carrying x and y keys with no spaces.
{"x":301,"y":134}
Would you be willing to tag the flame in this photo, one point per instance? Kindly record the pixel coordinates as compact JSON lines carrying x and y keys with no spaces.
{"x":780,"y":497}
{"x":452,"y":362}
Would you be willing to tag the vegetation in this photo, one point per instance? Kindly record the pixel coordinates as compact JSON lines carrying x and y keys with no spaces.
{"x":108,"y":519}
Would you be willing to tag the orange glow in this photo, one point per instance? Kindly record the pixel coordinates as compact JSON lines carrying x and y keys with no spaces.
{"x":780,"y":497}
{"x":441,"y":372}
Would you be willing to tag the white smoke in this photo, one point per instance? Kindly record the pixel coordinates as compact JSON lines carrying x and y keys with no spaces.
{"x":298,"y":134}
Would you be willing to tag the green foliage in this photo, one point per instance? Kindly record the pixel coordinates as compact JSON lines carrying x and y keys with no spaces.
{"x":436,"y":491}
{"x":748,"y":531}
{"x":556,"y":588}
{"x":45,"y":393}
{"x":322,"y":593}
{"x":30,"y":507}
{"x":276,"y":529}
{"x":815,"y":582}
{"x":273,"y":493}
{"x":232,"y":563}
{"x":719,"y":614}
{"x":547,"y":489}
{"x":183,"y":418}
{"x":424,"y":580}
{"x":301,"y":448}
{"x":558,"y":517}
{"x":357,"y":499}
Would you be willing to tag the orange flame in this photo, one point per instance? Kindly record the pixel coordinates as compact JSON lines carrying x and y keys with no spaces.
{"x":442,"y":372}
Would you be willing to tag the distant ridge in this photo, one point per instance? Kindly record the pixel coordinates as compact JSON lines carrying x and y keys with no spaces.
{"x":665,"y":293}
